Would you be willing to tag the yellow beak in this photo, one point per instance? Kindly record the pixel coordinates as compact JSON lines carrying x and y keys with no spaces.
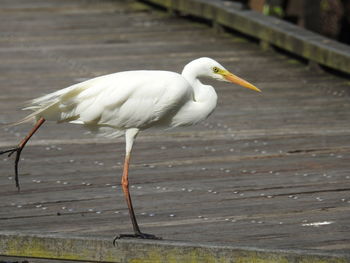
{"x":234,"y":79}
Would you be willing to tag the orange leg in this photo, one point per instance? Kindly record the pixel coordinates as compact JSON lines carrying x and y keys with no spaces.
{"x":125,"y":186}
{"x":130,"y":136}
{"x":20,"y":147}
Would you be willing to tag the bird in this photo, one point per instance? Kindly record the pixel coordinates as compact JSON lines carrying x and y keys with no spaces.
{"x":125,"y":103}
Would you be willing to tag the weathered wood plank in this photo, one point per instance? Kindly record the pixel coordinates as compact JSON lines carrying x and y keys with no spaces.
{"x":259,"y":172}
{"x":148,"y":251}
{"x":271,"y":30}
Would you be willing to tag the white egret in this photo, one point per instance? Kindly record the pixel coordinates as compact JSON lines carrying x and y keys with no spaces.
{"x":131,"y":101}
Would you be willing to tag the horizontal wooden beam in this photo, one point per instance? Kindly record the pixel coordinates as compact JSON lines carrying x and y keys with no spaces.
{"x":269,"y":30}
{"x":146,"y":251}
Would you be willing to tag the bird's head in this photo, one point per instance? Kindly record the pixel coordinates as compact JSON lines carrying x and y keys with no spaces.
{"x":207,"y":67}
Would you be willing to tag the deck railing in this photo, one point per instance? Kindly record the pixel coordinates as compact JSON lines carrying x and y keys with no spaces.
{"x":268,"y":30}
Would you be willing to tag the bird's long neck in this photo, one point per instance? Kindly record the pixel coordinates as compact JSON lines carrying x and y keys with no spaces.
{"x":201,"y":93}
{"x":204,"y":96}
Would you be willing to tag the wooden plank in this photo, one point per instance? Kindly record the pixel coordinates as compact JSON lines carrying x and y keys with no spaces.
{"x":149,"y":251}
{"x":262,"y":171}
{"x":33,"y":260}
{"x":270,"y":30}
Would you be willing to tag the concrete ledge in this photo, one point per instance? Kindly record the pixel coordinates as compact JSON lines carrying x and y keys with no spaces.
{"x":145,"y":251}
{"x":269,"y":30}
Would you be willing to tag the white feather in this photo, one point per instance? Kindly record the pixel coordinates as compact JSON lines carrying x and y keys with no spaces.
{"x":110,"y":104}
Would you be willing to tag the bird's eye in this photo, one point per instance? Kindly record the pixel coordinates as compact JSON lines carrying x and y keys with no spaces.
{"x":215,"y":69}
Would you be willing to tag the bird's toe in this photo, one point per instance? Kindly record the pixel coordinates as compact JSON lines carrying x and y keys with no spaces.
{"x":137,"y":235}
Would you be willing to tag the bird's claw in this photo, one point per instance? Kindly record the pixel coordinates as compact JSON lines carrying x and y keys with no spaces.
{"x":11,"y":151}
{"x":18,"y":151}
{"x":136,"y":235}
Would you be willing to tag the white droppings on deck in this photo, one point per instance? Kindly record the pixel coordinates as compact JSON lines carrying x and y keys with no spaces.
{"x":318,"y":224}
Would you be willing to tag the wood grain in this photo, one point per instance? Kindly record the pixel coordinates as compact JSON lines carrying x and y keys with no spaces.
{"x":257,"y":173}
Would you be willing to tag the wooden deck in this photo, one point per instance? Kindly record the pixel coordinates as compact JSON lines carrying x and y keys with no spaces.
{"x":269,"y":170}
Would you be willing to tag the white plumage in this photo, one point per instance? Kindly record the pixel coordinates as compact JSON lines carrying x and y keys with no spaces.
{"x":113,"y":103}
{"x":130,"y":101}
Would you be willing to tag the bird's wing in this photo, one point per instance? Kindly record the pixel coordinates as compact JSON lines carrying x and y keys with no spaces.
{"x":58,"y":106}
{"x":121,"y":100}
{"x":151,"y":97}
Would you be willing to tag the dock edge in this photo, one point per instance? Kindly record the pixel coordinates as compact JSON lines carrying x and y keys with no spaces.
{"x":147,"y":251}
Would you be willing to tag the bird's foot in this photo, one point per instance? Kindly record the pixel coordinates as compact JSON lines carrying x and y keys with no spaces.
{"x":136,"y":235}
{"x":11,"y":151}
{"x":18,"y":151}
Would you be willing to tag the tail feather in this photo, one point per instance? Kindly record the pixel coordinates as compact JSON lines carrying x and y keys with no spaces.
{"x":34,"y":116}
{"x":31,"y":117}
{"x":57,"y":106}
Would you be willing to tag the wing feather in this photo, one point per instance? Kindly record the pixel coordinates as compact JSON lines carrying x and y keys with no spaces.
{"x":117,"y":101}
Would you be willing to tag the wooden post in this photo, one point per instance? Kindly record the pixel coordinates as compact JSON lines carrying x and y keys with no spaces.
{"x":257,"y":5}
{"x":312,"y":15}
